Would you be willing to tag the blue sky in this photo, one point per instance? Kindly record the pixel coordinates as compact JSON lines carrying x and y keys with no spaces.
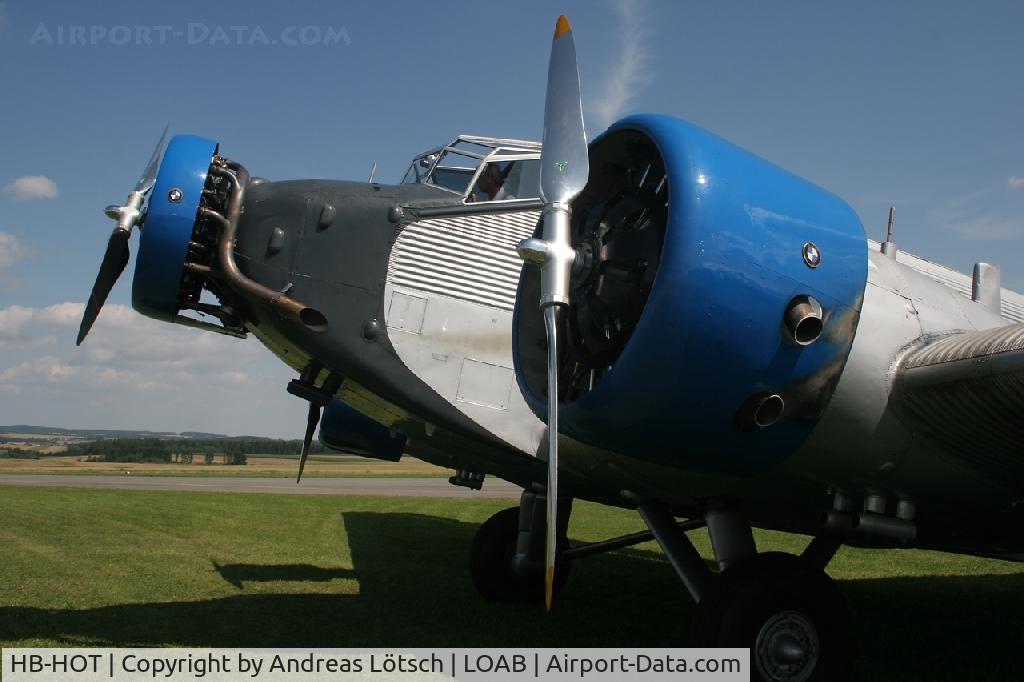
{"x":914,"y":104}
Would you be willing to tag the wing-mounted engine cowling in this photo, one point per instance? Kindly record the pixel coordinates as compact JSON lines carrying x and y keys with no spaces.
{"x":714,"y":296}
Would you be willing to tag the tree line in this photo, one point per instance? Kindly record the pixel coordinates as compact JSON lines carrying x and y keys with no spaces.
{"x":229,"y":451}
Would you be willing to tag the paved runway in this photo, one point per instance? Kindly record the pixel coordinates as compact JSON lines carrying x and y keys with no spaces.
{"x":390,"y":486}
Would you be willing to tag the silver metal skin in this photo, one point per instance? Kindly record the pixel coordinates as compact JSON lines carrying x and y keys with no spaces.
{"x":1012,"y":308}
{"x":448,"y":299}
{"x":986,"y":285}
{"x":564,"y":169}
{"x":914,"y":311}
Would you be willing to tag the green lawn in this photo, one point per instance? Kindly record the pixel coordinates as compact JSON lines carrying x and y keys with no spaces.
{"x":83,"y":567}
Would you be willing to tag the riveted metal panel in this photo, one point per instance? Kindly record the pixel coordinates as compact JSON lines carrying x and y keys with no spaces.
{"x":967,"y":392}
{"x":485,"y":384}
{"x":467,"y":257}
{"x":406,"y":313}
{"x":1013,"y":302}
{"x":969,"y":346}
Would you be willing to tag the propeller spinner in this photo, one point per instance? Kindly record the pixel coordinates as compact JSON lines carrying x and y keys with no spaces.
{"x":116,"y":256}
{"x":564,"y":170}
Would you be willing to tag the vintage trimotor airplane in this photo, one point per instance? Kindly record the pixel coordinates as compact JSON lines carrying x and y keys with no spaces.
{"x":716,"y":341}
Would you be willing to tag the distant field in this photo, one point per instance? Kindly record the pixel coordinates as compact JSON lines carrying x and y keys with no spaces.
{"x":258,"y":465}
{"x":91,"y":567}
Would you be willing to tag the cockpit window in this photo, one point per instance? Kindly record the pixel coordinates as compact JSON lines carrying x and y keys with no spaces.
{"x":507,"y":180}
{"x":419,"y":169}
{"x":454,"y":171}
{"x":480,"y":169}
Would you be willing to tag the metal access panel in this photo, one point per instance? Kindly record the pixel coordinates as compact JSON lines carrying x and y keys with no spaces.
{"x":484,"y":384}
{"x":406,"y":313}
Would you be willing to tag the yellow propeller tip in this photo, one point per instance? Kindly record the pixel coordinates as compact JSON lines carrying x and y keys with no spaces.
{"x":562,"y":27}
{"x":549,"y":587}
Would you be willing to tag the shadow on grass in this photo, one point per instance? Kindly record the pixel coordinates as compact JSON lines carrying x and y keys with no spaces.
{"x":414,"y":590}
{"x":239,"y":574}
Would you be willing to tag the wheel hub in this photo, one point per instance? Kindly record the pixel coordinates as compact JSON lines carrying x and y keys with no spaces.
{"x":787,"y":648}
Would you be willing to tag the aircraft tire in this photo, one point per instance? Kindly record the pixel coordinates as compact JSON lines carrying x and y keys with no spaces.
{"x":492,"y":568}
{"x":790,"y":614}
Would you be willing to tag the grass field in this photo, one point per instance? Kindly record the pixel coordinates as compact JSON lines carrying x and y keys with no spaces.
{"x":276,"y":466}
{"x":83,"y":567}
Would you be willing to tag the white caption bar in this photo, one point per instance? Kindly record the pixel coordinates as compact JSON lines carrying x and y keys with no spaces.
{"x":383,"y":665}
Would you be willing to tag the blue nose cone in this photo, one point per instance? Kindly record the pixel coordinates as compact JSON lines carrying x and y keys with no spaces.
{"x":173,"y":206}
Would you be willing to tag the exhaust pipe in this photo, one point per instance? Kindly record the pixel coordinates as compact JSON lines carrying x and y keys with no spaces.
{"x":760,"y":411}
{"x":803,"y":320}
{"x":869,"y":524}
{"x":880,"y":525}
{"x":277,"y":301}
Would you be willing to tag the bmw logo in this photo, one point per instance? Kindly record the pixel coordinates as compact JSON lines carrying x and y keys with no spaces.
{"x":812,"y":255}
{"x":176,"y":195}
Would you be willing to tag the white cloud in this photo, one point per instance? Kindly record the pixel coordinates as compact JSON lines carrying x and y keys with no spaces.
{"x":11,"y":250}
{"x":20,"y":326}
{"x":46,"y":368}
{"x":134,"y":372}
{"x":979,"y":216}
{"x":30,"y":187}
{"x":12,"y":321}
{"x":1015,"y":182}
{"x":632,"y":70}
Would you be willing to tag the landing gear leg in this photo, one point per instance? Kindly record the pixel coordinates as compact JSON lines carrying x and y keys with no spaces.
{"x":784,"y":608}
{"x":506,"y":560}
{"x":677,"y":547}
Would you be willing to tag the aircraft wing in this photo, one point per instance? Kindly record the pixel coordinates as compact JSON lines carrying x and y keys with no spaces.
{"x":967,"y":392}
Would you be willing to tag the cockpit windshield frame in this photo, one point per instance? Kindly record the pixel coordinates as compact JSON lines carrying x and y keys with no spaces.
{"x":471,"y":153}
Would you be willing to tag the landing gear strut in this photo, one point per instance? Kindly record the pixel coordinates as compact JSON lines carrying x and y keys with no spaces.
{"x":783,"y":607}
{"x":506,"y":559}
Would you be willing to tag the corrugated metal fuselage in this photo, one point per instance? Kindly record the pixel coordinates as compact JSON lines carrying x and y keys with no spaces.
{"x":418,"y":292}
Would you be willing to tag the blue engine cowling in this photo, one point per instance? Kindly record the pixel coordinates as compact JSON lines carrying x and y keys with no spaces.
{"x":167,"y":230}
{"x":692,"y":252}
{"x":346,"y":429}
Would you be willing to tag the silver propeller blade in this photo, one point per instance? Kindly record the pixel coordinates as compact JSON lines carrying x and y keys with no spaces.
{"x":565,"y":163}
{"x":564,"y":169}
{"x":148,"y":178}
{"x":116,"y":256}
